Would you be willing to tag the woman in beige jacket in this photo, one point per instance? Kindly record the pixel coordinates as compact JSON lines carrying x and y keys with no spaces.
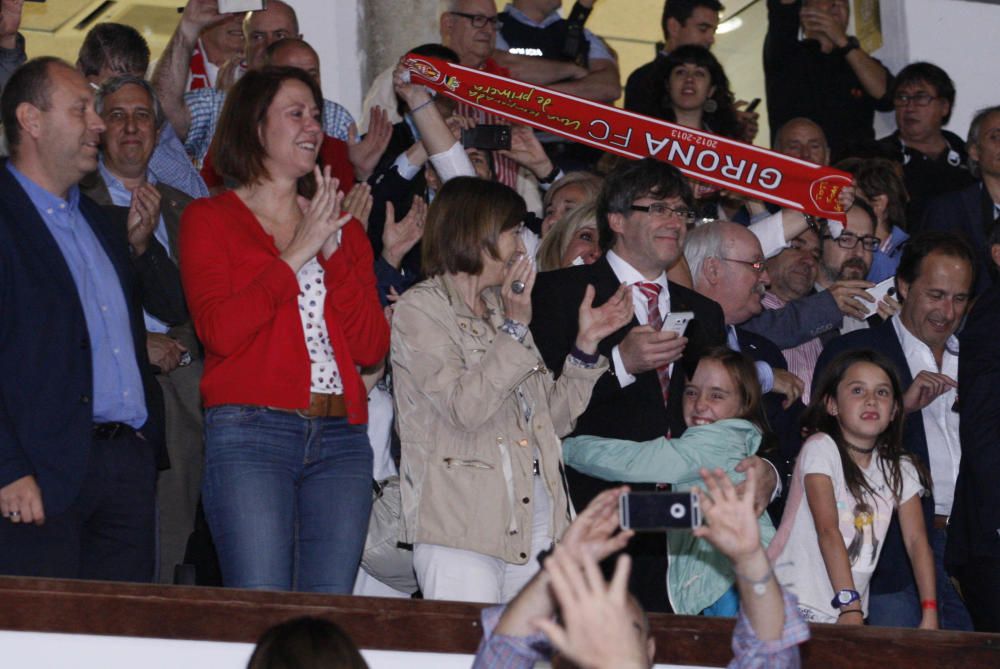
{"x":479,"y":415}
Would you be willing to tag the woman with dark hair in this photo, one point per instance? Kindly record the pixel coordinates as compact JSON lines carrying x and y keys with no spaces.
{"x":697,"y":94}
{"x":479,"y":413}
{"x":282,"y":294}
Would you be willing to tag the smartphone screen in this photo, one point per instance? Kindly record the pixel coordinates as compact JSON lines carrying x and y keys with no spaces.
{"x":659,"y":511}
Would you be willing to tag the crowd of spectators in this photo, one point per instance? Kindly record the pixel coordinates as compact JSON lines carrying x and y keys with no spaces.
{"x":227,"y":309}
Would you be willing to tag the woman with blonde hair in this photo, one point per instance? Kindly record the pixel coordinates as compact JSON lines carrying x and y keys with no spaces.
{"x":573,"y":240}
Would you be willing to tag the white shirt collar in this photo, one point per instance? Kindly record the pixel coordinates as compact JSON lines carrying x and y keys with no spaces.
{"x":630,"y":275}
{"x":914,"y":349}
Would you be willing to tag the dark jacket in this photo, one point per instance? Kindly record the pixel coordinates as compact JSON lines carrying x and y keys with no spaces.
{"x":46,"y":379}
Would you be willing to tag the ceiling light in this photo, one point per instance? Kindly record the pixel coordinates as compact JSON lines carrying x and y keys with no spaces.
{"x":730,"y":25}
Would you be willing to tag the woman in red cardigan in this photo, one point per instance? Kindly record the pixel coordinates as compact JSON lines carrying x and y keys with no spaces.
{"x":282,"y":290}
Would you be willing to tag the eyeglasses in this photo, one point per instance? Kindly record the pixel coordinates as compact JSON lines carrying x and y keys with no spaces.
{"x":478,"y":20}
{"x":663,"y":210}
{"x":756,"y":265}
{"x":848,"y":241}
{"x":918,"y":100}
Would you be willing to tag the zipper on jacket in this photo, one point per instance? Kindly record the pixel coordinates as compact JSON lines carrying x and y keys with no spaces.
{"x":450,"y":463}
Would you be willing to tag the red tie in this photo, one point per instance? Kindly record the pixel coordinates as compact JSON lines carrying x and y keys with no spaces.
{"x":652,"y":293}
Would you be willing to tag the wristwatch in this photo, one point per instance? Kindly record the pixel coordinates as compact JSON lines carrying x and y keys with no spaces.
{"x":851,"y":45}
{"x":844,"y":597}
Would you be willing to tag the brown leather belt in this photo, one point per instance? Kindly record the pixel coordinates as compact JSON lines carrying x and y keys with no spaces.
{"x":940,"y":522}
{"x":321,"y":405}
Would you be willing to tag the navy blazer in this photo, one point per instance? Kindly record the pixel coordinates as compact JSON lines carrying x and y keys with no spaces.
{"x":893,"y":572}
{"x":46,"y":378}
{"x":962,"y":212}
{"x":974,"y":527}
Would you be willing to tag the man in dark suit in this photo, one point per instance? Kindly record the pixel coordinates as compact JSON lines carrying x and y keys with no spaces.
{"x":642,"y":214}
{"x":934,"y":280}
{"x":973,"y":211}
{"x":80,"y":414}
{"x":972,"y":553}
{"x":129,"y":191}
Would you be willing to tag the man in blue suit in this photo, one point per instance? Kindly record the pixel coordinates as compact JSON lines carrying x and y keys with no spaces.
{"x":80,"y":414}
{"x":935,"y":280}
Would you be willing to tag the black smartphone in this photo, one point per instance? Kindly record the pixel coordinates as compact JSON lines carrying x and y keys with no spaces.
{"x":659,"y":511}
{"x":753,"y":105}
{"x":490,"y":137}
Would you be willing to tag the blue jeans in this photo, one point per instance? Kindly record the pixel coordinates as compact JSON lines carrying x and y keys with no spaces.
{"x":902,"y":609}
{"x":287,"y":498}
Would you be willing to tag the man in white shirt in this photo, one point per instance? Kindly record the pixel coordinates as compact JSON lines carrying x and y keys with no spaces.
{"x":935,"y":279}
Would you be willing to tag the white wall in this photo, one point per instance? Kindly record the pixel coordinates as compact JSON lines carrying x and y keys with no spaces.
{"x":333,"y":28}
{"x":84,"y":651}
{"x":958,"y":36}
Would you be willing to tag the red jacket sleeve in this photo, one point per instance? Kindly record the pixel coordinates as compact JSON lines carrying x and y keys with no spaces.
{"x":226,"y":319}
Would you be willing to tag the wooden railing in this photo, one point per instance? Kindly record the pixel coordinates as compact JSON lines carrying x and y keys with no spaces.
{"x":214,"y":614}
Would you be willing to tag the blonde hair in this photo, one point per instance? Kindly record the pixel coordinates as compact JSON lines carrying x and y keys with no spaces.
{"x":554,"y":244}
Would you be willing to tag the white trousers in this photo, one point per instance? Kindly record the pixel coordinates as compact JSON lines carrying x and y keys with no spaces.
{"x":466,"y":576}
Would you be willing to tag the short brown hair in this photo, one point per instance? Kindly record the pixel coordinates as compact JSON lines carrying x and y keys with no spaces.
{"x":31,"y":83}
{"x":466,"y":218}
{"x":236,"y":150}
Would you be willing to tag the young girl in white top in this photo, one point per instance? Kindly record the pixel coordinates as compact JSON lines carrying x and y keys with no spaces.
{"x":851,"y":474}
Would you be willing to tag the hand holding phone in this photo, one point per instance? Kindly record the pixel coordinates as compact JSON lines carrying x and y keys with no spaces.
{"x":659,"y":511}
{"x":879,"y":292}
{"x":677,"y":321}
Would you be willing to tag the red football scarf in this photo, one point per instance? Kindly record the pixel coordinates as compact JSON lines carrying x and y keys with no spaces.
{"x":726,"y":163}
{"x":198,"y":71}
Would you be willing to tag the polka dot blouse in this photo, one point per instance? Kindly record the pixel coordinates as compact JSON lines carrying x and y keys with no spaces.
{"x":325,"y":376}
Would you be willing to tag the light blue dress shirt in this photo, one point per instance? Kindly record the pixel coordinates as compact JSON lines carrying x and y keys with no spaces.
{"x":118,"y":394}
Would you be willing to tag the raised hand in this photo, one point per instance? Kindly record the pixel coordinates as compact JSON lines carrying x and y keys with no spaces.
{"x":358,"y":202}
{"x":732,"y":520}
{"x":592,"y":532}
{"x":365,"y":154}
{"x":399,"y":237}
{"x":598,"y":630}
{"x":143,"y":217}
{"x":320,"y":223}
{"x":525,"y":149}
{"x":596,"y":323}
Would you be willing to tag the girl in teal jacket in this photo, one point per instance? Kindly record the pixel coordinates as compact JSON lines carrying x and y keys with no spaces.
{"x":722,"y":409}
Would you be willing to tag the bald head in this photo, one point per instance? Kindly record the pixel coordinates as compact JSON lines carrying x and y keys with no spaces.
{"x":803,"y":138}
{"x":267,"y":26}
{"x":294,"y":52}
{"x":727,"y":265}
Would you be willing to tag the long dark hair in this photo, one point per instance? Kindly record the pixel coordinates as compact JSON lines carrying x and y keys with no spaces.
{"x":888,"y":446}
{"x":721,"y":121}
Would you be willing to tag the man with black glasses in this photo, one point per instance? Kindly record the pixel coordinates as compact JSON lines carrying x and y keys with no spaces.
{"x":642,"y":216}
{"x":934,"y":160}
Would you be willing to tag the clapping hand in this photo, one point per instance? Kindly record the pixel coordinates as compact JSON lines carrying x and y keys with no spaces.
{"x":596,"y":323}
{"x":143,"y":217}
